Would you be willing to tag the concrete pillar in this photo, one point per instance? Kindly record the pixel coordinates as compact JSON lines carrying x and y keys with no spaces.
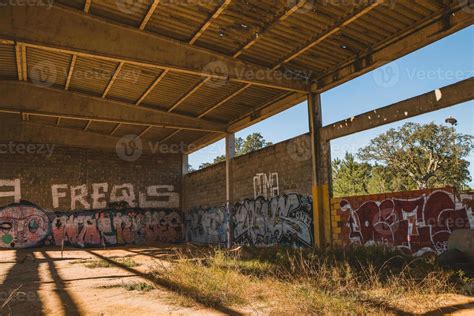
{"x":185,"y":170}
{"x":229,"y":183}
{"x":185,"y":164}
{"x":321,"y":173}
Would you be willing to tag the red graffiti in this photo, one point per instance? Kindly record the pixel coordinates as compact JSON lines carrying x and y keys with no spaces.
{"x":26,"y":225}
{"x":418,"y":225}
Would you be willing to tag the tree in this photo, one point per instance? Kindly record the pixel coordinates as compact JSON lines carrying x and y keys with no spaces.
{"x":429,"y":155}
{"x":251,"y":143}
{"x":349,"y":176}
{"x":215,"y":161}
{"x":190,"y":168}
{"x":383,"y":180}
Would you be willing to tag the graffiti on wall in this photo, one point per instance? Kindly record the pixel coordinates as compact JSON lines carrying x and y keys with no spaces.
{"x":24,"y":225}
{"x":10,"y":189}
{"x":99,"y":195}
{"x":266,"y":185}
{"x":207,"y":225}
{"x":284,"y":219}
{"x":416,"y":226}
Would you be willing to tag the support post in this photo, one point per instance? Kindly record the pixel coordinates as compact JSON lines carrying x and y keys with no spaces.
{"x":321,"y":162}
{"x":184,"y":171}
{"x":185,"y":162}
{"x":229,"y":184}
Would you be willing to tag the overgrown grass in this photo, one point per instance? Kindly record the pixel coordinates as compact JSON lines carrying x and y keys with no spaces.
{"x":92,"y":264}
{"x":283,"y":280}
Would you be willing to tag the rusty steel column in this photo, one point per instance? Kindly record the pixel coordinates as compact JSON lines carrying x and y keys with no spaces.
{"x":320,"y":153}
{"x":229,"y":183}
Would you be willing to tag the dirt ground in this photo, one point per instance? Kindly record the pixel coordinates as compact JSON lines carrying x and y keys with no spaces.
{"x":50,"y":284}
{"x":65,"y":286}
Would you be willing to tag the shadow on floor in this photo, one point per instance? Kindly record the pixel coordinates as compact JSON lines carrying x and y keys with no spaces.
{"x":25,"y":275}
{"x":191,"y":293}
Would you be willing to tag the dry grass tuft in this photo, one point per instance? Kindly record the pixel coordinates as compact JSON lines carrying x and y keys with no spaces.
{"x":284,"y":280}
{"x":93,"y":264}
{"x":131,"y":286}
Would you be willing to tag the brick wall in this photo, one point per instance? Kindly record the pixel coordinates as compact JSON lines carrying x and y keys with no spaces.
{"x":75,"y":167}
{"x":413,"y":221}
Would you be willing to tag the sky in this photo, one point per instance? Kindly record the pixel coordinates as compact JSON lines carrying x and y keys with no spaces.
{"x":440,"y":64}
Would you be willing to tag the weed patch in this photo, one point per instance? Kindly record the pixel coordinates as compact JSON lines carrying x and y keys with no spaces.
{"x":92,"y":264}
{"x":131,"y":286}
{"x":285,"y":280}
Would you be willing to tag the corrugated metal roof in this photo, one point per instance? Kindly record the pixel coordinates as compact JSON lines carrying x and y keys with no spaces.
{"x":92,"y":75}
{"x":8,"y":68}
{"x":261,"y":32}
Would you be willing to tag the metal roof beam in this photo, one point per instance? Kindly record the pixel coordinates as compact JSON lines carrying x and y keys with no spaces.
{"x":24,"y":98}
{"x":149,"y":13}
{"x":35,"y":133}
{"x":269,"y":26}
{"x":331,"y":30}
{"x":208,"y":23}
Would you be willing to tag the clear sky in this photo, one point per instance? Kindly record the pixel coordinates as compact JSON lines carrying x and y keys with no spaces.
{"x":440,"y":64}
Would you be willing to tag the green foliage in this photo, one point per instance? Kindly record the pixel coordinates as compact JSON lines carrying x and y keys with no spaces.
{"x":251,"y":143}
{"x":414,"y":156}
{"x":351,"y":177}
{"x":216,"y":161}
{"x":383,"y":180}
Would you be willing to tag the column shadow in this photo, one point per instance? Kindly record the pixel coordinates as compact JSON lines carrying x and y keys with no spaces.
{"x":191,"y":293}
{"x":69,"y":306}
{"x":25,"y":276}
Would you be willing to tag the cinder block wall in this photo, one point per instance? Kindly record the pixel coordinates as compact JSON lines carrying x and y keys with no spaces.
{"x":206,"y":188}
{"x":75,"y":167}
{"x":413,"y":221}
{"x":283,"y":218}
{"x":294,"y":171}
